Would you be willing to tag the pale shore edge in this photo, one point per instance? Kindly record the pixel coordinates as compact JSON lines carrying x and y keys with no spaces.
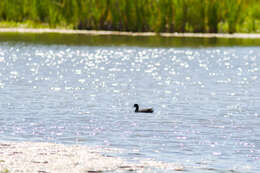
{"x":43,"y":157}
{"x":97,"y":32}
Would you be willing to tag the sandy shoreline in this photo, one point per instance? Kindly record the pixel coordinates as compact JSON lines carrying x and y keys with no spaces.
{"x":55,"y":158}
{"x":95,"y":32}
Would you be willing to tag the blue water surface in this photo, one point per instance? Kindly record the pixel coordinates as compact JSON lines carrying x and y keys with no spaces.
{"x":206,"y":101}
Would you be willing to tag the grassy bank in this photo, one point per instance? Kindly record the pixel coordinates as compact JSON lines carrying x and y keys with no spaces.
{"x":212,"y":16}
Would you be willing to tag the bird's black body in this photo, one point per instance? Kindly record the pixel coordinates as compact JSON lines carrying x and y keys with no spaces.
{"x":137,"y":110}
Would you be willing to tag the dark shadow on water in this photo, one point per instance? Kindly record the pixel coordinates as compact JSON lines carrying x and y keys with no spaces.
{"x":113,"y":40}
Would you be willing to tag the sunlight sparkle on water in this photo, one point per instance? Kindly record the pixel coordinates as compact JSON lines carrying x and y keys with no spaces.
{"x":205,"y":101}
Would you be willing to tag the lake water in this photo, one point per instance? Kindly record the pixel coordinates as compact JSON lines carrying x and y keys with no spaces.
{"x":206,"y":101}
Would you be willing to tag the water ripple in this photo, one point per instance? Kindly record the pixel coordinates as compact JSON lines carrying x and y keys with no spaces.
{"x":206,"y":101}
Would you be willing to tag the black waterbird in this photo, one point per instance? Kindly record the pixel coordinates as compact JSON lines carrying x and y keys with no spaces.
{"x":137,"y":110}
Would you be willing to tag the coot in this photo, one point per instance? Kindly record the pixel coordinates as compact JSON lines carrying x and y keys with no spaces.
{"x":149,"y":110}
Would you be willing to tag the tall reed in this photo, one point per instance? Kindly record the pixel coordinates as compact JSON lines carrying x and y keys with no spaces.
{"x":138,"y":15}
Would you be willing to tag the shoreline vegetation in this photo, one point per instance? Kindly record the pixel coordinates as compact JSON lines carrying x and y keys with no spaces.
{"x":160,"y":16}
{"x":120,"y":33}
{"x":116,"y":38}
{"x":45,"y":157}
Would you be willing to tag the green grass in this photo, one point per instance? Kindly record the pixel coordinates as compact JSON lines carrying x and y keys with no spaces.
{"x":214,"y":16}
{"x":31,"y":24}
{"x":26,"y":24}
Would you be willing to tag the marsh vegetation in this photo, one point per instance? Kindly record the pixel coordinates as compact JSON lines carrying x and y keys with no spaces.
{"x":133,"y":15}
